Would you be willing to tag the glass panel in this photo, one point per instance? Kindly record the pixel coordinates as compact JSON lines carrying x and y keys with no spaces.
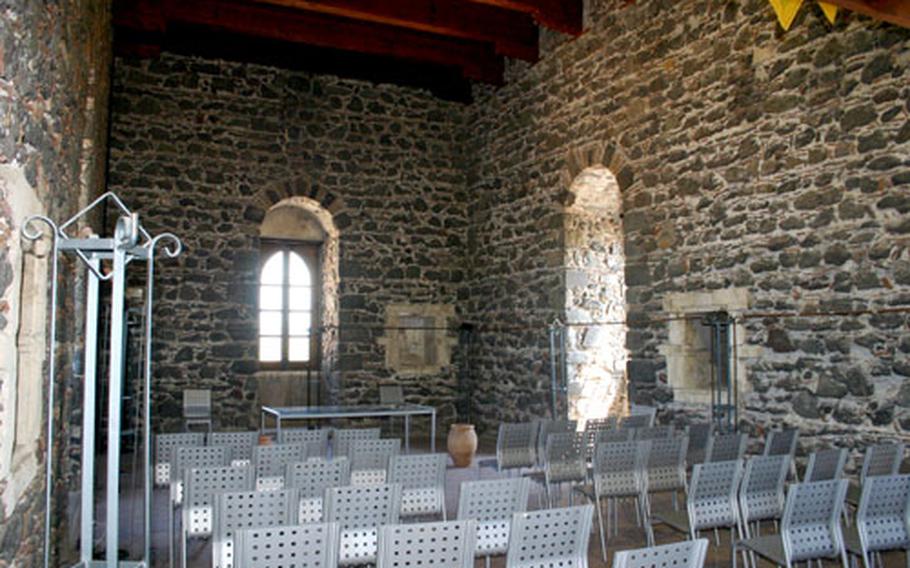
{"x":299,"y":348}
{"x":270,"y":349}
{"x":300,"y":297}
{"x":272,"y":270}
{"x":299,"y":323}
{"x":270,"y":298}
{"x":269,"y":323}
{"x":298,"y":273}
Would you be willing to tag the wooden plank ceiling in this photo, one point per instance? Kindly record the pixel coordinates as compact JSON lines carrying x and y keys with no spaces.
{"x":462,"y":39}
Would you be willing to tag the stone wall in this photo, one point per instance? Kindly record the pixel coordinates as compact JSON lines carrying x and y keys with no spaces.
{"x":54,"y":81}
{"x":751,"y":158}
{"x":203,"y":148}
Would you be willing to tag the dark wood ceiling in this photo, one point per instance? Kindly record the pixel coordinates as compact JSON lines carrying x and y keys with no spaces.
{"x":440,"y":42}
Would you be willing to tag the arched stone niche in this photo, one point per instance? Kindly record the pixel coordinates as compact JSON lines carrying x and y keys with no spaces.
{"x":595,"y":309}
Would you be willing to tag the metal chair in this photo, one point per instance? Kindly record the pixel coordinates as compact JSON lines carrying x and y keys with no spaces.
{"x":665,"y":469}
{"x":270,"y":463}
{"x":292,"y":546}
{"x":550,"y":537}
{"x":882,"y":519}
{"x":618,"y":473}
{"x":637,"y":421}
{"x":880,"y":459}
{"x":440,"y":545}
{"x":492,"y":504}
{"x":825,"y":465}
{"x":653,"y":432}
{"x":687,"y":554}
{"x":547,"y":427}
{"x":516,"y":445}
{"x":239,"y":444}
{"x":202,"y":484}
{"x":783,"y":442}
{"x":726,"y":447}
{"x":423,"y":483}
{"x":248,"y":510}
{"x":320,"y":437}
{"x":359,"y":512}
{"x":311,"y":479}
{"x":700,"y":435}
{"x":761,"y":494}
{"x":342,"y":438}
{"x":194,"y":456}
{"x":370,"y":459}
{"x":711,"y":503}
{"x":564,"y":463}
{"x":197,"y":408}
{"x":164,"y":446}
{"x":810,"y":528}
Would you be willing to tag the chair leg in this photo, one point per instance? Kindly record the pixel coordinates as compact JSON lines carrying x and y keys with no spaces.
{"x":600,"y":525}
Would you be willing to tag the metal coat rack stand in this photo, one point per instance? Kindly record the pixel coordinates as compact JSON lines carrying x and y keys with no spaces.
{"x":106,"y":259}
{"x":559,"y":381}
{"x":723,"y":382}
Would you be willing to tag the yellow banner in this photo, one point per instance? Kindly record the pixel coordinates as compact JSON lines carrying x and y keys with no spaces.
{"x":786,"y":11}
{"x":830,"y":11}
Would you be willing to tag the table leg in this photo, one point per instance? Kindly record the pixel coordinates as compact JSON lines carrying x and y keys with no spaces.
{"x":433,"y":432}
{"x":407,"y":433}
{"x":278,"y":429}
{"x":261,"y":422}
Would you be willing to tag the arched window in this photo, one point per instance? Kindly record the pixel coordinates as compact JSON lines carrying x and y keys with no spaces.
{"x":288,"y":304}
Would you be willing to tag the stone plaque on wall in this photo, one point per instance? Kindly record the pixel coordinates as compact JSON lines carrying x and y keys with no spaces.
{"x":416,"y":339}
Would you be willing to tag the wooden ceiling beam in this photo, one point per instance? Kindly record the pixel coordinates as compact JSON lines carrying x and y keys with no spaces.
{"x":893,"y":11}
{"x":477,"y":61}
{"x":560,"y":15}
{"x":514,"y":34}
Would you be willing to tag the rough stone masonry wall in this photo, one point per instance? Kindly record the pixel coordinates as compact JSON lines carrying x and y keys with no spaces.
{"x":750,"y":158}
{"x":54,"y":80}
{"x":203,"y":147}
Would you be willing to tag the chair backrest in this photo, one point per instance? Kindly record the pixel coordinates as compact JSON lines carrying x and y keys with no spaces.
{"x":615,"y":435}
{"x":495,"y":499}
{"x":311,"y":478}
{"x":761,"y":494}
{"x":373,"y":454}
{"x":240,"y":444}
{"x":712,"y":496}
{"x":700,"y":435}
{"x":341,"y":439}
{"x":884,"y":513}
{"x":197,"y":403}
{"x":825,"y":465}
{"x":637,"y":421}
{"x":516,"y":445}
{"x":882,"y":459}
{"x":418,"y":471}
{"x":547,"y":427}
{"x":686,"y":554}
{"x":272,"y":460}
{"x":653,"y":432}
{"x":165,"y":444}
{"x":306,"y":436}
{"x":781,"y":442}
{"x":246,"y":510}
{"x":202,"y":484}
{"x":359,"y":512}
{"x":811,"y":525}
{"x":198,"y":456}
{"x":665,"y":467}
{"x":391,"y":394}
{"x":440,"y":545}
{"x":312,"y":545}
{"x":565,"y":458}
{"x":550,"y":537}
{"x":726,"y":447}
{"x":619,"y":468}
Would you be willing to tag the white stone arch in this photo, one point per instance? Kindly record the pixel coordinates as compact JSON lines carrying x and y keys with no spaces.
{"x":595,"y":309}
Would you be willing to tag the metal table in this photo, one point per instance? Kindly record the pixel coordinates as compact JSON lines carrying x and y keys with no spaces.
{"x":282,"y":413}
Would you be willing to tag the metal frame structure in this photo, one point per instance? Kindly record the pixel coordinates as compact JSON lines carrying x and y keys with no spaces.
{"x":282,"y":413}
{"x":130,"y":242}
{"x":724,"y":395}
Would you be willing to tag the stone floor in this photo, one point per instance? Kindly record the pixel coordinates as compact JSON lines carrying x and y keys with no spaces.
{"x":630,"y":535}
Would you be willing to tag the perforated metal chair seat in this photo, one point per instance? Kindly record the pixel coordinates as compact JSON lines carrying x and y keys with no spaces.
{"x":770,"y":547}
{"x":678,"y":520}
{"x":310,"y":509}
{"x":358,"y":545}
{"x":493,"y":537}
{"x":689,"y":554}
{"x":368,"y":477}
{"x":422,"y":501}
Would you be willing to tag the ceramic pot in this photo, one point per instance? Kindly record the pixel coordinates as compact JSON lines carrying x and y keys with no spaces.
{"x":462,"y":444}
